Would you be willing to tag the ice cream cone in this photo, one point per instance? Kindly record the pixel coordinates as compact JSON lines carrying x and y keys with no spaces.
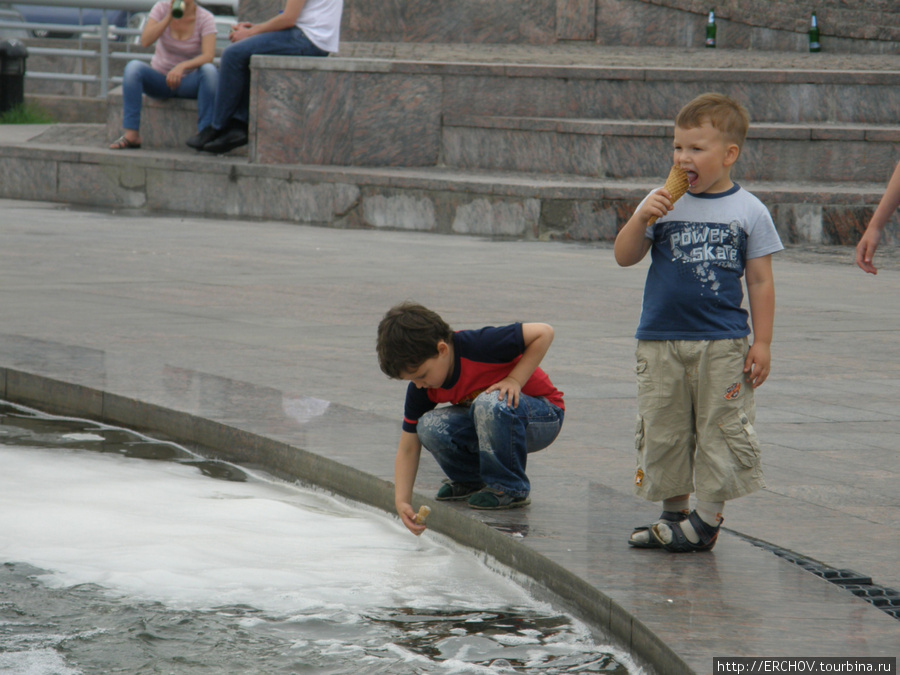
{"x":676,"y":184}
{"x":422,"y":514}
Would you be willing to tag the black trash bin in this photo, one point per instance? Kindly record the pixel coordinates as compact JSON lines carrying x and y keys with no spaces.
{"x":12,"y":74}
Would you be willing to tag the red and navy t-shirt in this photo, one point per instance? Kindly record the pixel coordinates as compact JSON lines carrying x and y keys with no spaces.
{"x":480,"y":358}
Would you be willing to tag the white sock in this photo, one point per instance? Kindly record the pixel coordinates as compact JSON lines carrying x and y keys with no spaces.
{"x":709,"y":512}
{"x":674,"y":505}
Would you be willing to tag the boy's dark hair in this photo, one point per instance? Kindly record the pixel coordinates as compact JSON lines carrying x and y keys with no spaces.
{"x":408,"y":336}
{"x":722,"y":112}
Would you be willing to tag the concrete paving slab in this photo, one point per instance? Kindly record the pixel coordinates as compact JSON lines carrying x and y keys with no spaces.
{"x":269,"y":328}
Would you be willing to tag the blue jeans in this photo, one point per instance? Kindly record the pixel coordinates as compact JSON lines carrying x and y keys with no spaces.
{"x":489,"y":441}
{"x":139,"y":78}
{"x":233,"y":98}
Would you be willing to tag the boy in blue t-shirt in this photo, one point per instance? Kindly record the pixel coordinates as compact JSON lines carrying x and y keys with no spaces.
{"x":694,"y":361}
{"x":502,"y":406}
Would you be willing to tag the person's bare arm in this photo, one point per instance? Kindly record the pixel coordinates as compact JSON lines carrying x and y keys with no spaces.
{"x":761,"y":294}
{"x":865,"y":250}
{"x":406,"y":466}
{"x":537,"y":338}
{"x":631,"y":243}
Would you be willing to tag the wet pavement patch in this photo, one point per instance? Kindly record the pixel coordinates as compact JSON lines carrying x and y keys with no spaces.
{"x":885,"y":599}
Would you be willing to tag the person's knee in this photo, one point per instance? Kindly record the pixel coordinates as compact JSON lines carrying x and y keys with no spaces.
{"x":487,"y":403}
{"x":209,"y":77}
{"x":132,"y":71}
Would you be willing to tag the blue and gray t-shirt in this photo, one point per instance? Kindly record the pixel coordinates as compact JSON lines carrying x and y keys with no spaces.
{"x":693,"y":289}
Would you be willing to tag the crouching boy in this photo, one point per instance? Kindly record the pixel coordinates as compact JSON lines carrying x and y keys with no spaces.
{"x":502,"y":406}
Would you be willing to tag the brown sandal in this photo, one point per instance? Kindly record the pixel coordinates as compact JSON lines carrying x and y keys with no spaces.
{"x":122,"y":143}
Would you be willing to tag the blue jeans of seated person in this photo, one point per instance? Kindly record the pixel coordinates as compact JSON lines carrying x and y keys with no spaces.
{"x":139,"y":78}
{"x":489,"y":441}
{"x":233,"y":97}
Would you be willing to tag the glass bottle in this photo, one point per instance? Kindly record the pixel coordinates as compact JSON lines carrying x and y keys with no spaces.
{"x":711,"y":29}
{"x":177,"y":9}
{"x":814,"y":45}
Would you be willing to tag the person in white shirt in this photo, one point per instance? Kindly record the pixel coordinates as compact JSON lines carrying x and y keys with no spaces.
{"x":304,"y":28}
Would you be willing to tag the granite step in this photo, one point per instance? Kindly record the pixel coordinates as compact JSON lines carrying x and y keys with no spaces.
{"x":825,"y":152}
{"x":386,"y":112}
{"x":71,"y":164}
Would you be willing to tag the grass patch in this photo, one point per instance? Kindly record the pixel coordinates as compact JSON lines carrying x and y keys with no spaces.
{"x":27,"y":113}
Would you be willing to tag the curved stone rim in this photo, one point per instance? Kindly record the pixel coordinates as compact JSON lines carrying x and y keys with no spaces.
{"x":221,"y":441}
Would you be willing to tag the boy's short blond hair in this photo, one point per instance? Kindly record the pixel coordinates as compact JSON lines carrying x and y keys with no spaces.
{"x":722,"y":112}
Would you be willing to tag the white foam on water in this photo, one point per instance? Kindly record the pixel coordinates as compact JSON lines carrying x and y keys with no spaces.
{"x":161,"y":531}
{"x":35,"y":662}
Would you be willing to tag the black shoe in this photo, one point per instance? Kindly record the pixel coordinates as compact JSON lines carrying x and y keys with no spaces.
{"x":202,"y":137}
{"x":231,"y":139}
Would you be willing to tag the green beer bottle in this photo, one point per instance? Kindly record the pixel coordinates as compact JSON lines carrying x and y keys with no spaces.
{"x":177,"y":9}
{"x":814,"y":45}
{"x":711,"y":29}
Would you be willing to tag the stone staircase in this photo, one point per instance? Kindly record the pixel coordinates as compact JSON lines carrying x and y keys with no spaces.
{"x":822,"y":143}
{"x":527,"y":140}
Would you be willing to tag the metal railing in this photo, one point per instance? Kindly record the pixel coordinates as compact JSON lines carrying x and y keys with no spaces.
{"x":102,"y":32}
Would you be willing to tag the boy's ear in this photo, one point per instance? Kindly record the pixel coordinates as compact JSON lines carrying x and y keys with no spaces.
{"x":732,"y":154}
{"x":442,"y":348}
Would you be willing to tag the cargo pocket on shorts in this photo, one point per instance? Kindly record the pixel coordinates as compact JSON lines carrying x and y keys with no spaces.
{"x":741,"y":438}
{"x":639,"y":446}
{"x":639,"y":433}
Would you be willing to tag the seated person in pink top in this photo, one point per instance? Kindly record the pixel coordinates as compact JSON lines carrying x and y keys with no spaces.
{"x":181,"y":67}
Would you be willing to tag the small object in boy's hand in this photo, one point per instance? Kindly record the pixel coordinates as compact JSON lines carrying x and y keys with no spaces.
{"x":422,"y":514}
{"x":676,"y":184}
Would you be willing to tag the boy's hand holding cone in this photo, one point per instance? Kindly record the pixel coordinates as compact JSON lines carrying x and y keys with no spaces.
{"x":676,"y":185}
{"x":422,"y":514}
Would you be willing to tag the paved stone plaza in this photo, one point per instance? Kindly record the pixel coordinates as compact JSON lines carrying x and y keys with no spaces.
{"x":258,"y":324}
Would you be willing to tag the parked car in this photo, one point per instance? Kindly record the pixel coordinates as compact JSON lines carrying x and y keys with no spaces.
{"x":69,"y":15}
{"x":8,"y":14}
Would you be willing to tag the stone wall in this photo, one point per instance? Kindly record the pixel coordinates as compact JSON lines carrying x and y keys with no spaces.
{"x":853,"y":26}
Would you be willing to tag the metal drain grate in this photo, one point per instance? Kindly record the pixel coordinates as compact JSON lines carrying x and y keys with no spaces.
{"x":885,"y":599}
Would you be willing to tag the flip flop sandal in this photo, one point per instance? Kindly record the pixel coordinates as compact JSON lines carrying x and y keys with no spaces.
{"x":122,"y":143}
{"x":681,"y":544}
{"x":668,"y":516}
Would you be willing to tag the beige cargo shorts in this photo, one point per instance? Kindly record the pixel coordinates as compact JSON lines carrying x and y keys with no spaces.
{"x":694,"y":431}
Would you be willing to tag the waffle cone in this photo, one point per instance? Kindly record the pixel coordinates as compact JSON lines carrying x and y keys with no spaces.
{"x":676,"y":185}
{"x":422,"y":514}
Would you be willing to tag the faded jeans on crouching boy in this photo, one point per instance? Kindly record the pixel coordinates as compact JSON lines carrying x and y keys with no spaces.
{"x":489,"y":441}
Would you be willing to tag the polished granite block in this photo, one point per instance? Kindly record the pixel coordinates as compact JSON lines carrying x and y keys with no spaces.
{"x":583,"y":220}
{"x":575,"y":19}
{"x":344,"y":118}
{"x":27,"y":178}
{"x":512,"y":150}
{"x":828,"y":153}
{"x":121,"y":184}
{"x":463,"y":21}
{"x":399,"y":210}
{"x":498,"y":217}
{"x":258,"y":196}
{"x":658,"y":94}
{"x":164,"y":124}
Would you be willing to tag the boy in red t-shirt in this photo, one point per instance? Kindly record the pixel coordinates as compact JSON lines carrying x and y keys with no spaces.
{"x":502,"y":406}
